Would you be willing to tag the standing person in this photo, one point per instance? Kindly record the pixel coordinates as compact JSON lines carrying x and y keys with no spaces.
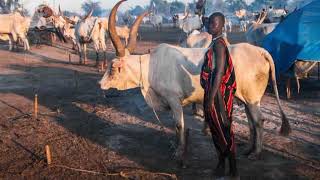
{"x":200,"y":9}
{"x":218,"y":81}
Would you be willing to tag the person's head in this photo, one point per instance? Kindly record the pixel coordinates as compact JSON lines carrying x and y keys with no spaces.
{"x":216,"y":23}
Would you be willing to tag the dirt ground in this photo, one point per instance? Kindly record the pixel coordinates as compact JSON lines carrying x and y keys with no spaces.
{"x":116,"y":135}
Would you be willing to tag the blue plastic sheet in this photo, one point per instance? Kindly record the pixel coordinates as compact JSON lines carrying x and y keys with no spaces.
{"x":297,"y":37}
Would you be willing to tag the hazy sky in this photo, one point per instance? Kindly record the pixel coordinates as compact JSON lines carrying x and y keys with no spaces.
{"x":75,"y":5}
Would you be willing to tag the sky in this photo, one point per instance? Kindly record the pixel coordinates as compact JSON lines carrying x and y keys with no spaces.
{"x":75,"y":5}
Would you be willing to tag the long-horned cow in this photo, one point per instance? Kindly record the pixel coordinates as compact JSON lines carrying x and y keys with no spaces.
{"x":156,"y":21}
{"x":87,"y":30}
{"x":169,"y":79}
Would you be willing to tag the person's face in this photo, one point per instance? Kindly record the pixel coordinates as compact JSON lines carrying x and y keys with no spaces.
{"x":215,"y":26}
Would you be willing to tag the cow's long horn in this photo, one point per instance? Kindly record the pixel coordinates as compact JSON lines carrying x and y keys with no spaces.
{"x":89,"y":14}
{"x":60,"y":12}
{"x":186,"y":15}
{"x":69,"y":20}
{"x":133,"y":32}
{"x":113,"y":33}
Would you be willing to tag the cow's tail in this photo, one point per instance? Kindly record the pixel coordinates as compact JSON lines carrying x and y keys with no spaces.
{"x":285,"y":126}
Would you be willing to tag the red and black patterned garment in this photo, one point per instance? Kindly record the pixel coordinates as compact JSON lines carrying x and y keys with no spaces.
{"x":222,"y":132}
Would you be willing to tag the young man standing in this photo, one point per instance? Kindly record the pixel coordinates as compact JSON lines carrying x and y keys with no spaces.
{"x":218,"y":80}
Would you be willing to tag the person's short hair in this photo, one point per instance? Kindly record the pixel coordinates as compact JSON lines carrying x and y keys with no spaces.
{"x":217,"y":14}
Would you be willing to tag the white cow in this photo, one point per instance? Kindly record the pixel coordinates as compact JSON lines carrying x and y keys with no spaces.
{"x":87,"y":30}
{"x":156,"y":21}
{"x":16,"y":26}
{"x":243,"y":25}
{"x":169,"y":79}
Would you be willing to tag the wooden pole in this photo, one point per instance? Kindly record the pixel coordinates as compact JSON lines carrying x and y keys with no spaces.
{"x":36,"y":106}
{"x":48,"y":154}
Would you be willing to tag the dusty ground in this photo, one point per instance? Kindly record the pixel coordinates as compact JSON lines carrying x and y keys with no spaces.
{"x":113,"y":132}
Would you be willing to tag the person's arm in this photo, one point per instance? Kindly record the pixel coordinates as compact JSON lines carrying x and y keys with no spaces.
{"x":219,"y":69}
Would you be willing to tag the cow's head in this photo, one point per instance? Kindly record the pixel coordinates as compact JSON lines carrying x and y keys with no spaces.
{"x":181,"y":22}
{"x":118,"y":74}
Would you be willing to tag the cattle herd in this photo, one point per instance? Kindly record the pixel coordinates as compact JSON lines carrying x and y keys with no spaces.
{"x":168,"y":76}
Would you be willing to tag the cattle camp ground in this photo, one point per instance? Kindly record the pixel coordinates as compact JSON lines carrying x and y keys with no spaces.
{"x":57,"y":123}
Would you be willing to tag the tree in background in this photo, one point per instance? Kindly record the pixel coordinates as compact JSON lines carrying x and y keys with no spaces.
{"x":96,"y":5}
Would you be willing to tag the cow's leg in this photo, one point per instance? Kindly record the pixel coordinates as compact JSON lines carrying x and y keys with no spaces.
{"x":97,"y":58}
{"x":288,"y":88}
{"x":252,"y":133}
{"x":194,"y":109}
{"x":14,"y":41}
{"x":104,"y":59}
{"x":97,"y":47}
{"x":10,"y":43}
{"x":80,"y":46}
{"x":74,"y":45}
{"x":26,"y":46}
{"x":298,"y":84}
{"x":85,"y":54}
{"x":177,"y":111}
{"x":257,"y":120}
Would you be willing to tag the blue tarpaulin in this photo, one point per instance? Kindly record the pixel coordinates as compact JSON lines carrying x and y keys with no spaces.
{"x":296,"y":37}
